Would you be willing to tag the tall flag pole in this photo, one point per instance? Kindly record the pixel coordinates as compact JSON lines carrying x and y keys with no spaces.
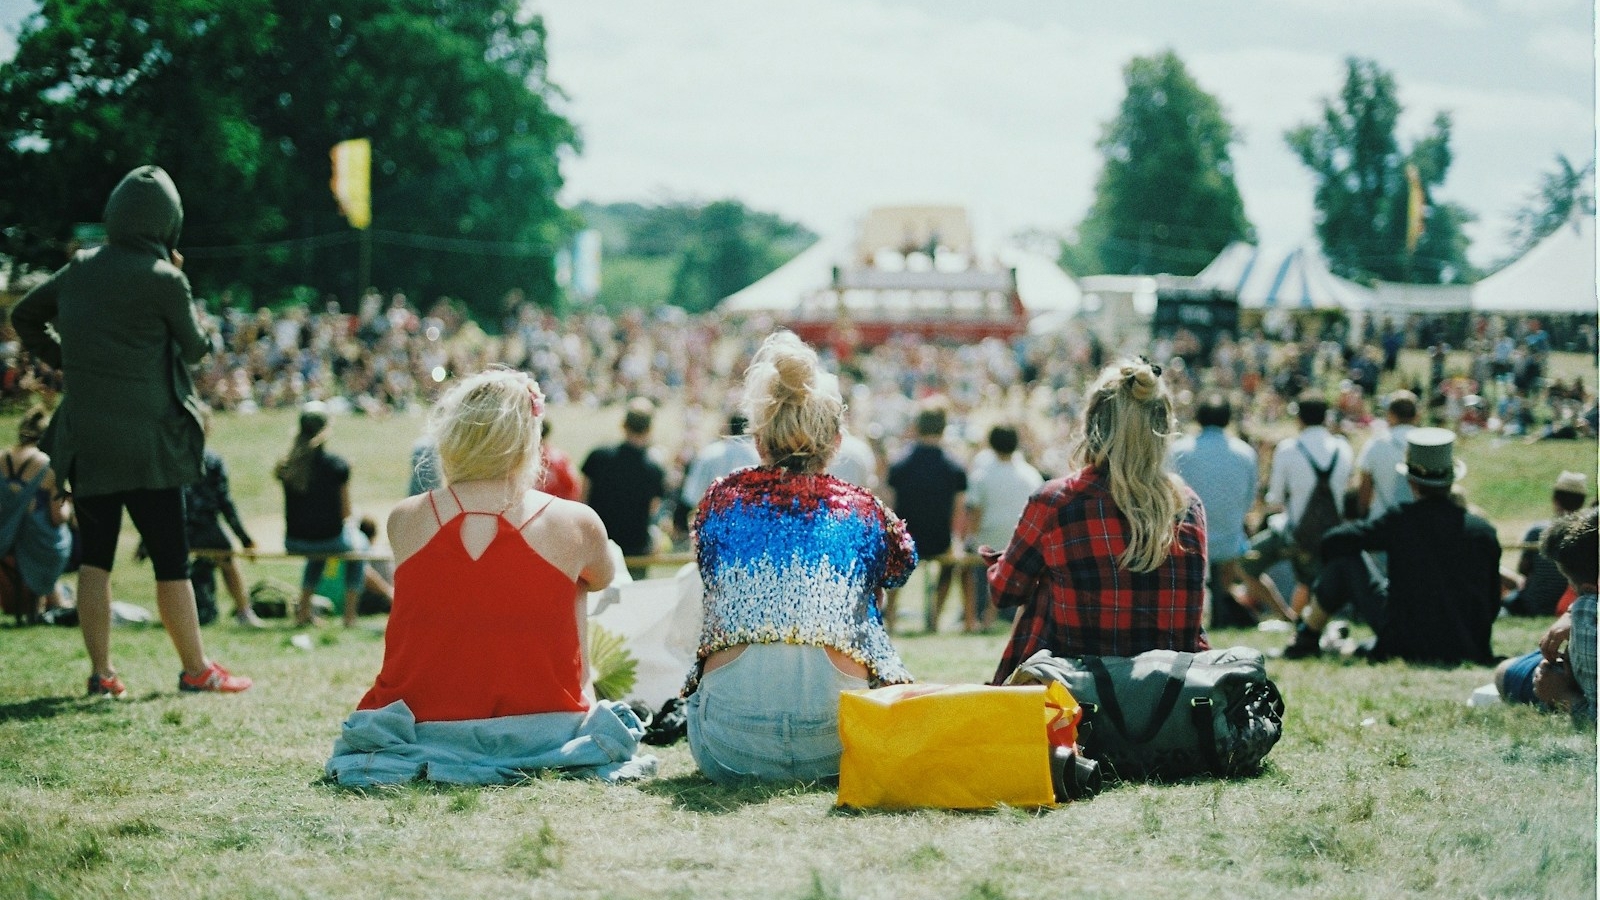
{"x":352,"y":188}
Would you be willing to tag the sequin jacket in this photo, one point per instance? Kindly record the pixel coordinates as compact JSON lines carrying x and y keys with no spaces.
{"x":799,"y":559}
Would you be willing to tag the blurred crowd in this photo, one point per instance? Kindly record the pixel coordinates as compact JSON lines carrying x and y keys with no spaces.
{"x":391,"y":355}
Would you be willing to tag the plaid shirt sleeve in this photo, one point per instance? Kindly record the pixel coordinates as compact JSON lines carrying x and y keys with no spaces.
{"x":1581,"y":652}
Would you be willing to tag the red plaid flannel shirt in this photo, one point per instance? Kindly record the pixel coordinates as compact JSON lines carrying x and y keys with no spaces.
{"x":1061,"y":569}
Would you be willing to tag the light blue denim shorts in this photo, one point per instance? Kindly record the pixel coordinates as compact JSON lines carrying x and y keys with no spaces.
{"x":772,"y":714}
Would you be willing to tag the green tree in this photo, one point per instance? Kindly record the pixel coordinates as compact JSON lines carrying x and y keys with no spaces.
{"x":1363,"y":191}
{"x":1562,"y":193}
{"x":687,"y":254}
{"x":242,"y":100}
{"x":1166,"y":200}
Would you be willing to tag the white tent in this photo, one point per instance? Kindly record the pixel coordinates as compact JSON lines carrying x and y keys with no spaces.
{"x":782,"y":289}
{"x":1041,"y":284}
{"x":1556,"y":276}
{"x":1296,"y":279}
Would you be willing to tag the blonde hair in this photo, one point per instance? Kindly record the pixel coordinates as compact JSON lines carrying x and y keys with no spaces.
{"x":794,"y":407}
{"x":1127,"y":427}
{"x":487,"y":427}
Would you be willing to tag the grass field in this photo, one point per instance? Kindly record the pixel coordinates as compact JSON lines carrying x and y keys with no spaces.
{"x":1385,"y":784}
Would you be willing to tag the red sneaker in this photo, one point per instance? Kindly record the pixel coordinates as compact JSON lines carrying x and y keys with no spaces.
{"x":107,"y":686}
{"x":213,"y":678}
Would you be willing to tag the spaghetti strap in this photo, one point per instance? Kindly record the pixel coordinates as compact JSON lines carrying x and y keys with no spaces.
{"x":536,"y":513}
{"x":433,"y":503}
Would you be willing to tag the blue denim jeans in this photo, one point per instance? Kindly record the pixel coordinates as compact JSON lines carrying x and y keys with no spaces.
{"x":355,"y":571}
{"x":772,"y":714}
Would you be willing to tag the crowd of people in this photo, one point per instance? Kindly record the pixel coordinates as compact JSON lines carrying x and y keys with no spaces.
{"x":854,"y":471}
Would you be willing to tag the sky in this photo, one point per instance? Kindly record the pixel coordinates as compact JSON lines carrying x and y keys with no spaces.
{"x":821,"y":109}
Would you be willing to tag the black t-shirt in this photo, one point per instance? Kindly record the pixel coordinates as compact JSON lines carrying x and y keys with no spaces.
{"x":623,"y":480}
{"x":925,"y":484}
{"x":315,"y":514}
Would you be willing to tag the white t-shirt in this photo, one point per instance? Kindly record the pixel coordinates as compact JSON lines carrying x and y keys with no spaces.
{"x":1379,"y":455}
{"x":1001,"y":489}
{"x":1292,"y":479}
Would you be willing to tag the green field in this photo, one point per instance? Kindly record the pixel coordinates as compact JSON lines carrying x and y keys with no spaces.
{"x":1385,"y":784}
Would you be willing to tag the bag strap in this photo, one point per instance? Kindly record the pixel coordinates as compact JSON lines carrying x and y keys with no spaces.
{"x":1322,"y":474}
{"x":1107,"y":690}
{"x":1203,"y":717}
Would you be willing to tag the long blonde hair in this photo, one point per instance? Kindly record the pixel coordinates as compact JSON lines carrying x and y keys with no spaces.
{"x":488,"y":427}
{"x":794,"y":407}
{"x":1127,"y":427}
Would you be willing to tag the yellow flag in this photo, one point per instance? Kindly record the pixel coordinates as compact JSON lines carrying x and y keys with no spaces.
{"x":352,"y":180}
{"x":1414,"y":204}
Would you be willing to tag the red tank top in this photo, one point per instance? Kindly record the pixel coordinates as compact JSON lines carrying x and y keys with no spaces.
{"x":479,"y":638}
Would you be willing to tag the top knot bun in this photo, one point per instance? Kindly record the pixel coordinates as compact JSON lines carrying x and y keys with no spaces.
{"x":1141,"y":380}
{"x":794,"y":374}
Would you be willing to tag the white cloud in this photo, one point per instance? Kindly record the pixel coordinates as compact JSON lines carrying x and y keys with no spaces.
{"x":1437,"y":13}
{"x":1538,"y":9}
{"x":1563,"y":49}
{"x":822,"y":109}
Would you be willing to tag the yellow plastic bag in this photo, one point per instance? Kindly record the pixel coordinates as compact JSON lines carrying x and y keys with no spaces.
{"x":963,"y":746}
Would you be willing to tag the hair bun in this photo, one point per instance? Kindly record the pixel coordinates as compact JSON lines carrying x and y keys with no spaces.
{"x":794,"y":376}
{"x":1141,"y":380}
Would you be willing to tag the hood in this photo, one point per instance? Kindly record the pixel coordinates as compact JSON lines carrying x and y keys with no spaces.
{"x":144,"y":212}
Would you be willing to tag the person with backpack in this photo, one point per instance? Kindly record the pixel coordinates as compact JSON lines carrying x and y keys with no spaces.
{"x":1309,"y":475}
{"x":1441,"y":598}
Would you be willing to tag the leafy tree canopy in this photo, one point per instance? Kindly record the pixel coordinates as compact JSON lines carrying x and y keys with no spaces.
{"x":1563,"y":192}
{"x":688,"y":254}
{"x":1363,"y":189}
{"x":1166,"y":200}
{"x":241,"y":101}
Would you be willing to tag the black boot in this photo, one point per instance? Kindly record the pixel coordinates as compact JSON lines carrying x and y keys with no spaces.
{"x":1307,"y":643}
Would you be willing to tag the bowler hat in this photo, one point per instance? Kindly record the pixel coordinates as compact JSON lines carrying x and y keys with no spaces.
{"x":1430,"y":457}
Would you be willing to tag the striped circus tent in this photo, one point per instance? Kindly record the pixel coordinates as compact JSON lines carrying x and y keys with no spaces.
{"x":1297,"y":279}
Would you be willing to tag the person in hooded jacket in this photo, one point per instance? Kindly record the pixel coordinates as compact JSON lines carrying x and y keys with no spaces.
{"x":119,"y":323}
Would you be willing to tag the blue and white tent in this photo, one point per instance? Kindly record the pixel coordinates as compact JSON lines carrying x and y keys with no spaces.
{"x":1297,"y":279}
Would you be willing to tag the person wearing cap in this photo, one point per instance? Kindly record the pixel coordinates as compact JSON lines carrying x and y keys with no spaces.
{"x":316,"y":512}
{"x":1442,"y":595}
{"x":119,"y":323}
{"x":1543,"y":584}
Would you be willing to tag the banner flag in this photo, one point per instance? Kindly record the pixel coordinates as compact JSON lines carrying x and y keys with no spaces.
{"x":1414,"y":207}
{"x":352,"y":180}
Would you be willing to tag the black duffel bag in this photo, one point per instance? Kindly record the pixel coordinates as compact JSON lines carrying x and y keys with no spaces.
{"x":1166,"y":714}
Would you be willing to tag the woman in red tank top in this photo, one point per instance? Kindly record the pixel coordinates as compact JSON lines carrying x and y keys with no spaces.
{"x":489,"y":615}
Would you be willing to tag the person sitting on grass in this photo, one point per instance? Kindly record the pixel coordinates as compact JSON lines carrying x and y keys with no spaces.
{"x":485,"y":671}
{"x":1111,"y":559}
{"x":1549,"y":676}
{"x":316,"y":512}
{"x":1442,"y":594}
{"x":795,"y":563}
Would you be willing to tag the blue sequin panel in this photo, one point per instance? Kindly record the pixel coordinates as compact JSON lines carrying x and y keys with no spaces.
{"x":799,"y":559}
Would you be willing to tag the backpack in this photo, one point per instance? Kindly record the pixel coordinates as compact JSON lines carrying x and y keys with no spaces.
{"x":1322,"y":510}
